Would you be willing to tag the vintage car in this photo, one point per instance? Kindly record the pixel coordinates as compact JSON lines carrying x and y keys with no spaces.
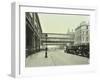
{"x":71,"y":49}
{"x":81,"y":50}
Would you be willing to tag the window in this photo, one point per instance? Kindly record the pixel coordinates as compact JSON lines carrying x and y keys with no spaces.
{"x":87,"y":27}
{"x":31,"y":15}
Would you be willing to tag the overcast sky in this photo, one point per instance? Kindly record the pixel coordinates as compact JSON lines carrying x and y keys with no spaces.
{"x":57,"y":23}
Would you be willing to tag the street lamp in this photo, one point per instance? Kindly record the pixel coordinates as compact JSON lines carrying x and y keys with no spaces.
{"x":46,"y":47}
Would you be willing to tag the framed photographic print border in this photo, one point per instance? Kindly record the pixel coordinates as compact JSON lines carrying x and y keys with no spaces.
{"x":18,"y":40}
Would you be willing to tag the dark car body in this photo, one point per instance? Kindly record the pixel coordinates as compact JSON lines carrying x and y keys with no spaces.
{"x":81,"y":50}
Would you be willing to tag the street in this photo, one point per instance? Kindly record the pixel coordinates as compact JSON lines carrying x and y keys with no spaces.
{"x":55,"y":58}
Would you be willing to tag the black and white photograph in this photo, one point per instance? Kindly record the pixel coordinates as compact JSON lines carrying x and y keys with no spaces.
{"x":54,"y":39}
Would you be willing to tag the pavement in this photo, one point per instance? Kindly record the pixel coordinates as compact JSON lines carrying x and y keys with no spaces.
{"x":55,"y":58}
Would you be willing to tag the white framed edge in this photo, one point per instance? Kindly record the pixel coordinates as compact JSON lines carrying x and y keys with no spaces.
{"x":18,"y":38}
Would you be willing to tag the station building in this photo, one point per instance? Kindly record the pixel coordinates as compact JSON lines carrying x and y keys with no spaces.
{"x":82,"y":34}
{"x":33,"y":33}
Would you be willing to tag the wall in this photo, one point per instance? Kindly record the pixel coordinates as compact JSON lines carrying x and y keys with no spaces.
{"x":5,"y":41}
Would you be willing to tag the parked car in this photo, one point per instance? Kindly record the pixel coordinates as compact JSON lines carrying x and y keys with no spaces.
{"x":81,"y":50}
{"x":71,"y":49}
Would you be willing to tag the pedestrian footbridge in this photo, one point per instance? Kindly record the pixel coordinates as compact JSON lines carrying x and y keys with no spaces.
{"x":57,"y":39}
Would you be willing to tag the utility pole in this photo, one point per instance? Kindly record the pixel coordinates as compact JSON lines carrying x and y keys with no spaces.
{"x":46,"y":56}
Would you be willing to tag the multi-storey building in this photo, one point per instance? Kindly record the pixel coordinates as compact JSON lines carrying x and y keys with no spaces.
{"x":33,"y":33}
{"x":71,"y":37}
{"x":82,"y":34}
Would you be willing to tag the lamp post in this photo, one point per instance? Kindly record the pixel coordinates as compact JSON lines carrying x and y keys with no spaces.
{"x":46,"y":47}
